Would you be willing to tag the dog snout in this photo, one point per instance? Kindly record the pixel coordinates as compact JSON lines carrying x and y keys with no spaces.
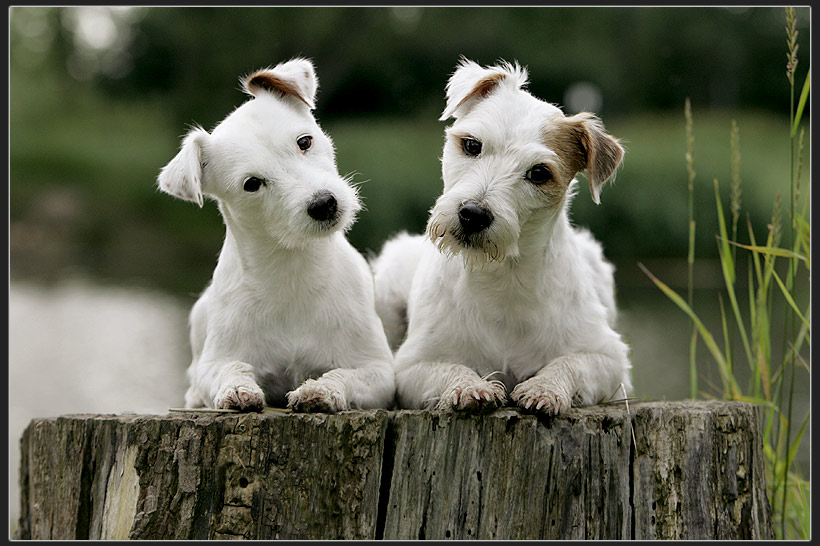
{"x":474,"y":218}
{"x":323,"y":206}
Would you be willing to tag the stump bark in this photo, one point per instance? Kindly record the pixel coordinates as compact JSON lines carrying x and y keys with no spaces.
{"x":694,"y":470}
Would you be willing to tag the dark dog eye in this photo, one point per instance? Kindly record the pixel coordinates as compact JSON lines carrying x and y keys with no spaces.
{"x":539,"y":174}
{"x":252,"y":184}
{"x":471,"y":146}
{"x":304,"y":142}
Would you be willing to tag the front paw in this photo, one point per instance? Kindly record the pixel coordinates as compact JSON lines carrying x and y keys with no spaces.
{"x":317,"y":396}
{"x":248,"y":397}
{"x":481,"y":394}
{"x":542,"y":394}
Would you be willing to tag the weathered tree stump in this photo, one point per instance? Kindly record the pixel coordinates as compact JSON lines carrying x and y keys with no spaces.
{"x":694,"y":471}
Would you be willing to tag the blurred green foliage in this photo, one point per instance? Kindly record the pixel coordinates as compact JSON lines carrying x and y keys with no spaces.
{"x":91,"y":127}
{"x":383,"y":61}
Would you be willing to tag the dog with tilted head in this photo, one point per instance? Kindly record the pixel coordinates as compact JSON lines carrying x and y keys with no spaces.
{"x":503,"y":293}
{"x":289,"y":316}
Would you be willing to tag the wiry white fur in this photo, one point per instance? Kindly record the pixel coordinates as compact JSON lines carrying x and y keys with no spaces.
{"x":467,"y":73}
{"x":300,"y":73}
{"x":289,"y":315}
{"x":526,"y":305}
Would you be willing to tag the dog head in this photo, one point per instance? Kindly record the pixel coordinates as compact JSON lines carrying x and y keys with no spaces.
{"x":268,"y":164}
{"x":510,"y":162}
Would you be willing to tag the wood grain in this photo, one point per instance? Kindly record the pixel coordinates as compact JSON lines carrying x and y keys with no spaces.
{"x":694,"y":471}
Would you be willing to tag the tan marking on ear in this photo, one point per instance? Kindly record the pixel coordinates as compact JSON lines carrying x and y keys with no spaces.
{"x":271,"y":82}
{"x":482,"y":88}
{"x":566,"y":140}
{"x":584,"y":144}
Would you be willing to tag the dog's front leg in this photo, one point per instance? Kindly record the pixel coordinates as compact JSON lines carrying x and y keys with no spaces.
{"x":578,"y":379}
{"x":224,"y":385}
{"x":346,"y":388}
{"x":441,"y":386}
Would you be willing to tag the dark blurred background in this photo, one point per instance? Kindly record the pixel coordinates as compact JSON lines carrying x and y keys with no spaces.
{"x":100,"y":97}
{"x":104,"y":267}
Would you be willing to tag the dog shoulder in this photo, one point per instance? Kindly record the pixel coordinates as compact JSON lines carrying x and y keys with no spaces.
{"x":589,"y":247}
{"x":598,"y":272}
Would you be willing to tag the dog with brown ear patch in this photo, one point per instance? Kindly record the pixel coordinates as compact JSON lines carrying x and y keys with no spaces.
{"x":502,"y":294}
{"x":289,"y":316}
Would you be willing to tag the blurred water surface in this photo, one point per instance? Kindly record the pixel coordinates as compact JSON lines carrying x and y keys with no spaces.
{"x":81,"y":347}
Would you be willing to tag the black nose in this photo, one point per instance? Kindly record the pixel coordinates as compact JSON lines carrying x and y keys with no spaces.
{"x":474,"y":218}
{"x":322,"y":207}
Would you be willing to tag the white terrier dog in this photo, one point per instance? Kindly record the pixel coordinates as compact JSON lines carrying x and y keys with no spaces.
{"x":502,"y":284}
{"x":291,"y":301}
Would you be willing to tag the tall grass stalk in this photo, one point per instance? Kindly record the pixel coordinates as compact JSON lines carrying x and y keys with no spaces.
{"x":773,"y":376}
{"x":735,"y":188}
{"x":791,"y":67}
{"x":690,"y":169}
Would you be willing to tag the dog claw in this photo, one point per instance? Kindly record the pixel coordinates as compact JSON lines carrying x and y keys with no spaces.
{"x":247,"y":397}
{"x":316,"y":396}
{"x":472,"y":396}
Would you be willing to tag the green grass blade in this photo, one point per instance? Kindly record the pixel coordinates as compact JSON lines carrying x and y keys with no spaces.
{"x":754,"y":380}
{"x":768,"y":267}
{"x":796,"y":444}
{"x":763,"y":347}
{"x":693,"y":368}
{"x":755,"y":257}
{"x":727,"y":345}
{"x":727,"y":265}
{"x":752,"y":306}
{"x":772,"y":251}
{"x":726,"y":257}
{"x":802,"y":507}
{"x":769,"y":427}
{"x":802,"y":102}
{"x":738,"y":318}
{"x":802,"y":362}
{"x":690,"y":257}
{"x":790,"y":300}
{"x":803,"y":243}
{"x":757,"y":401}
{"x":693,"y":341}
{"x":705,"y":335}
{"x":794,"y":349}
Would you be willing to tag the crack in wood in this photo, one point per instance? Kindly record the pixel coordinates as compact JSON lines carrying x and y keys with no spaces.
{"x":696,"y":471}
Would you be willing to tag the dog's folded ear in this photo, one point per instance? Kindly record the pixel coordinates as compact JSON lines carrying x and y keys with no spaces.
{"x":597,"y":151}
{"x":471,"y":83}
{"x":182,"y":176}
{"x":295,"y":78}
